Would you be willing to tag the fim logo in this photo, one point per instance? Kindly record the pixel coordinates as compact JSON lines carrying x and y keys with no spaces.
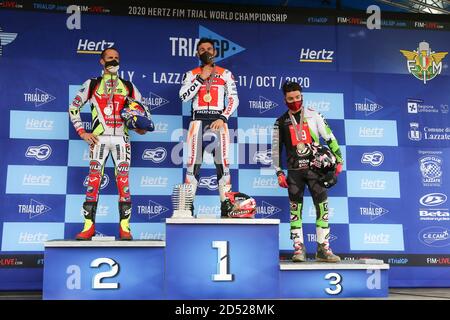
{"x":34,"y":208}
{"x":6,"y":38}
{"x":40,"y":153}
{"x":152,"y":210}
{"x":444,"y":108}
{"x":368,"y":107}
{"x":267,"y":210}
{"x":156,"y":155}
{"x":154,"y":101}
{"x":435,"y":237}
{"x":187,"y":47}
{"x":104,"y":184}
{"x":375,"y":158}
{"x":374,"y":211}
{"x":263,"y":104}
{"x":431,"y":169}
{"x":423,"y":63}
{"x":264,"y":157}
{"x":209,"y":183}
{"x":39,"y":97}
{"x":414,"y":134}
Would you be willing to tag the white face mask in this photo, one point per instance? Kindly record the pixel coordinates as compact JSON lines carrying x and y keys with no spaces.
{"x":112,"y":66}
{"x":113,"y":69}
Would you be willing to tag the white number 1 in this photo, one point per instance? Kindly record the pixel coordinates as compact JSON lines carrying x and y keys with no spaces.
{"x":222,"y":261}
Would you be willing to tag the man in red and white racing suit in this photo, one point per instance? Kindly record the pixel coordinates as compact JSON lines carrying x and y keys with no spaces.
{"x":213,"y":93}
{"x":107,"y":96}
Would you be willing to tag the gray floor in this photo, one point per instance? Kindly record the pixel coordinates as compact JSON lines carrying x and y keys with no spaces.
{"x":394,"y":294}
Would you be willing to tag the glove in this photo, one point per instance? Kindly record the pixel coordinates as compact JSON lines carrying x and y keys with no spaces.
{"x":338,"y":169}
{"x":282,"y":182}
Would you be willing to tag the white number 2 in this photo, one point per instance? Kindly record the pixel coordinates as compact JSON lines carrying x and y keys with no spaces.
{"x":222,"y":261}
{"x":97,"y":280}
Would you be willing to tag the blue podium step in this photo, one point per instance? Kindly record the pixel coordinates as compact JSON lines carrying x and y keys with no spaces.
{"x":94,"y":270}
{"x":202,"y":259}
{"x":358,"y":278}
{"x":222,"y":258}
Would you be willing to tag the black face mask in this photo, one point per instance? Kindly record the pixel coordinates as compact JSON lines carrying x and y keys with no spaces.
{"x":206,"y":58}
{"x":112,"y":63}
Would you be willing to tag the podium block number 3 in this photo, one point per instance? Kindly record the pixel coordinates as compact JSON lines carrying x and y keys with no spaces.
{"x":222,"y":261}
{"x":335,"y":280}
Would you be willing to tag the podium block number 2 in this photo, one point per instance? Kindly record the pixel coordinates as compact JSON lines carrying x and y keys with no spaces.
{"x":97,"y":280}
{"x":222,"y":262}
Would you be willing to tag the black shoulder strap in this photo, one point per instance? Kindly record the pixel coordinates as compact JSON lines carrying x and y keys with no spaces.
{"x":93,"y":85}
{"x":129,"y":86}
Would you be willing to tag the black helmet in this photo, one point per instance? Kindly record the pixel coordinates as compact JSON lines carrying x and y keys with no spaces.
{"x":324,"y":163}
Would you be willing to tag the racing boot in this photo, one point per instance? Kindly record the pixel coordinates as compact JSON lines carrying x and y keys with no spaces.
{"x":89,"y":210}
{"x":125,"y":215}
{"x":299,"y":252}
{"x":324,"y":253}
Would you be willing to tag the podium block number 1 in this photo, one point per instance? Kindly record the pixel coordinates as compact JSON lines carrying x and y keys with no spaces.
{"x":222,"y":262}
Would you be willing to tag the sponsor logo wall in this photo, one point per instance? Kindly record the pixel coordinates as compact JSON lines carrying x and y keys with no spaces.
{"x":389,"y":112}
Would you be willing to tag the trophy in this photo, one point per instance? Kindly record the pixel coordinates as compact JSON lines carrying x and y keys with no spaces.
{"x":182,"y":200}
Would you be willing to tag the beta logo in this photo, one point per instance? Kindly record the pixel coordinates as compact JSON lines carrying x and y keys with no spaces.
{"x":40,"y":153}
{"x":433,"y":199}
{"x":375,"y":158}
{"x":156,"y":155}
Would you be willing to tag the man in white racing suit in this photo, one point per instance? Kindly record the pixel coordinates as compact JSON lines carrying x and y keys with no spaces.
{"x":213,"y":95}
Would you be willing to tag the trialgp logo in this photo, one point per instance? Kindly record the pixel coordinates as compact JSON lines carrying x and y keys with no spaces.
{"x":39,"y":97}
{"x":187,"y":47}
{"x":423,"y":63}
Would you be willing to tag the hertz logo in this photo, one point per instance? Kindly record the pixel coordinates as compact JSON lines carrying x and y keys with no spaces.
{"x":322,"y":56}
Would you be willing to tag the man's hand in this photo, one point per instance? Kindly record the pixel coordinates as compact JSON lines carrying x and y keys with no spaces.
{"x":217,"y":125}
{"x":338,"y":169}
{"x":282,"y":182}
{"x":140,"y":131}
{"x":90,"y":138}
{"x":206,"y":72}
